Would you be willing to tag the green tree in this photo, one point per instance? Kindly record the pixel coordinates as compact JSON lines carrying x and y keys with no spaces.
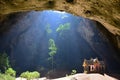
{"x":4,"y":61}
{"x":53,"y":51}
{"x":10,"y":72}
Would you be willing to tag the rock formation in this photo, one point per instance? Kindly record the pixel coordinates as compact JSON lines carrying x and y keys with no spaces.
{"x":107,"y":12}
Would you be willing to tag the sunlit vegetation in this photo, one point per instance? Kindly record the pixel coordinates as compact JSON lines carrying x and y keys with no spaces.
{"x":48,"y":29}
{"x":72,"y":72}
{"x":30,"y":75}
{"x":10,"y":72}
{"x":6,"y":77}
{"x":6,"y":73}
{"x":63,"y":27}
{"x":52,"y":52}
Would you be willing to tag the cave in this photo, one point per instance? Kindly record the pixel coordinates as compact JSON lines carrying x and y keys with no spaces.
{"x":27,"y":35}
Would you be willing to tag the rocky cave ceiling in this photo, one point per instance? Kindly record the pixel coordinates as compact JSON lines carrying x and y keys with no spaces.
{"x":107,"y":12}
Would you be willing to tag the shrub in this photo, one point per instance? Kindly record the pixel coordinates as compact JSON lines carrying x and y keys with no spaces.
{"x":36,"y":74}
{"x":73,"y":72}
{"x":30,"y":75}
{"x":10,"y":72}
{"x":6,"y":77}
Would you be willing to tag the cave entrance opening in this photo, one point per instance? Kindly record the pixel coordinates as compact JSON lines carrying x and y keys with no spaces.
{"x":52,"y":40}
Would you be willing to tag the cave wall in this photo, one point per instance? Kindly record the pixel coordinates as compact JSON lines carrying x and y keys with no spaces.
{"x":114,"y":39}
{"x":107,"y":12}
{"x":25,"y":39}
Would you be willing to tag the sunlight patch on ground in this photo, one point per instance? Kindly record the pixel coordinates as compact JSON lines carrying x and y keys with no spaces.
{"x":80,"y":76}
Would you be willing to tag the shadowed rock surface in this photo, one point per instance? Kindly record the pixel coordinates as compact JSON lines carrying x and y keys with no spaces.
{"x":107,"y":12}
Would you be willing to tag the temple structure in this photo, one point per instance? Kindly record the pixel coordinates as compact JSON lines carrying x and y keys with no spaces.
{"x":93,"y":66}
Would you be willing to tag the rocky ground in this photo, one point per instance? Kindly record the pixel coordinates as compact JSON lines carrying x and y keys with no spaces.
{"x":80,"y":76}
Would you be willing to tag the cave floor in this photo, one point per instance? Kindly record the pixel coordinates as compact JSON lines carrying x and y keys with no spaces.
{"x":80,"y":76}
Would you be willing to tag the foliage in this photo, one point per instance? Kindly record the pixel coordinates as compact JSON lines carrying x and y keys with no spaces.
{"x":63,"y":27}
{"x":52,"y":47}
{"x":10,"y":72}
{"x":4,"y":62}
{"x":48,"y":29}
{"x":53,"y":51}
{"x":30,"y":75}
{"x":6,"y":77}
{"x":73,"y":72}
